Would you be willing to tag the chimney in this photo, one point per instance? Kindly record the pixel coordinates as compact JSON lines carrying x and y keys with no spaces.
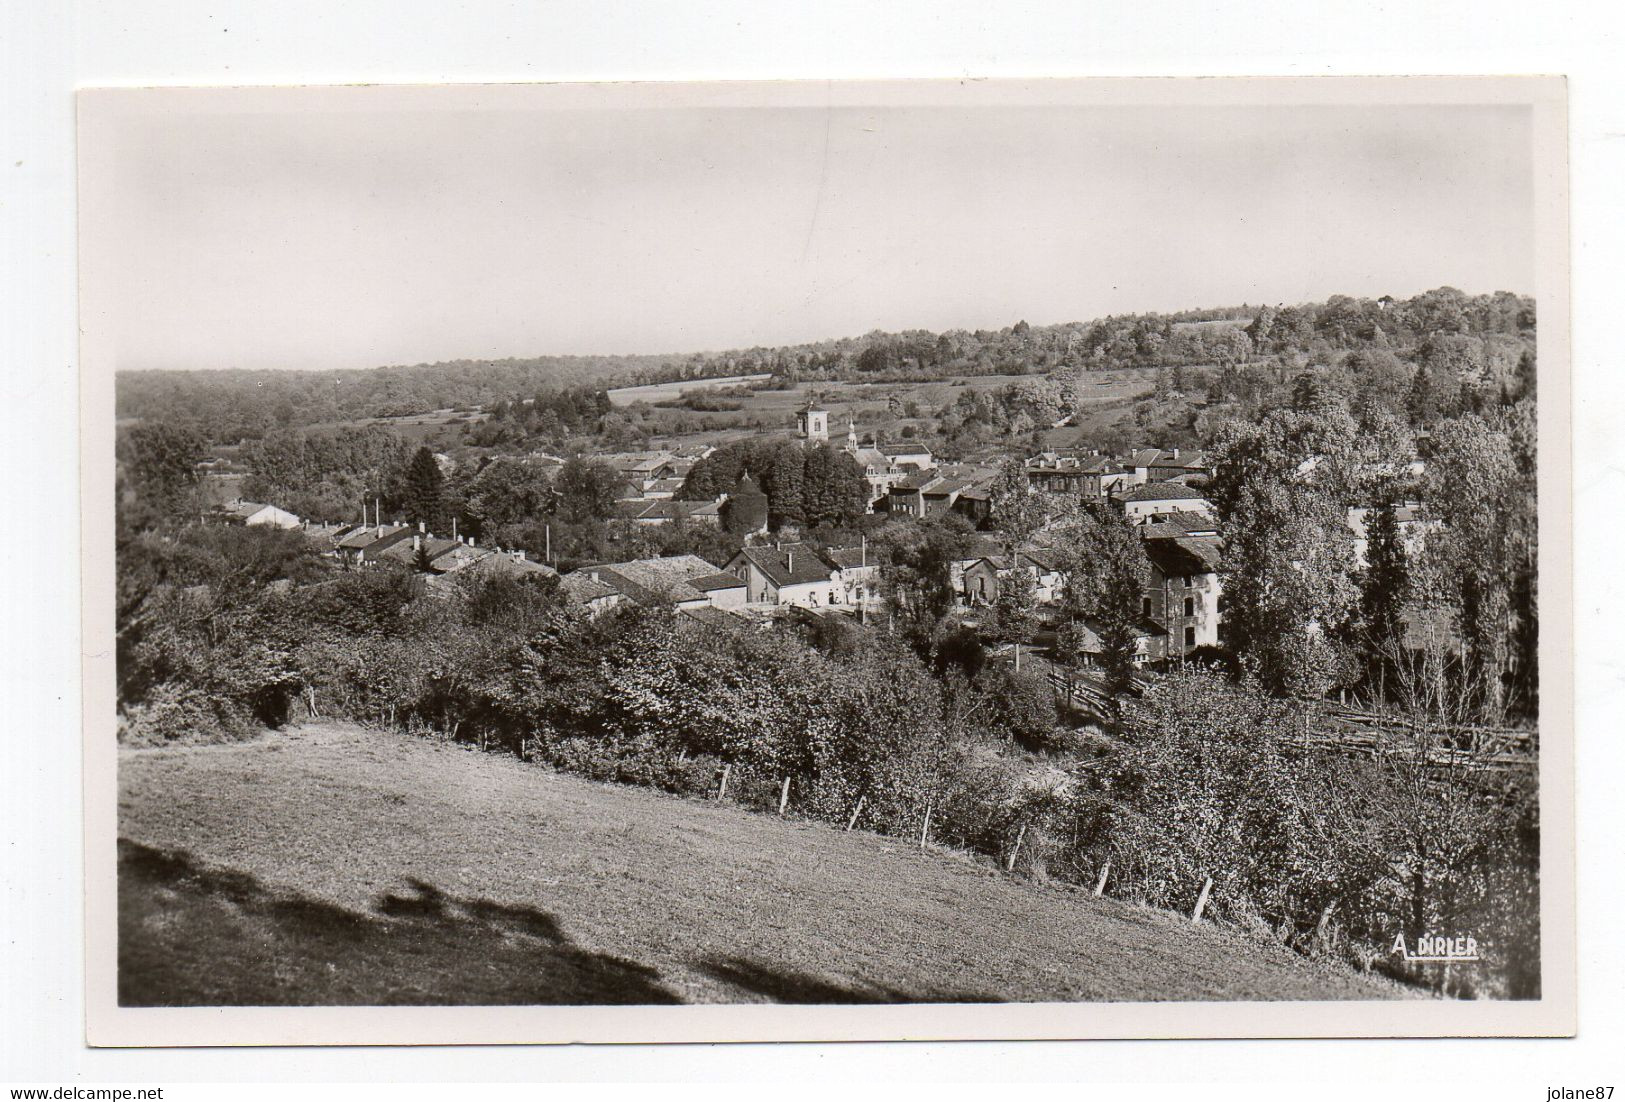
{"x":417,"y":544}
{"x":790,"y":560}
{"x":421,"y":528}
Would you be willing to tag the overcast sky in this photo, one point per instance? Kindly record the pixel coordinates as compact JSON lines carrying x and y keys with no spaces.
{"x":295,"y":239}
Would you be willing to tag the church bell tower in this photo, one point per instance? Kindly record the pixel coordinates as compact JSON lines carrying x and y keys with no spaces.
{"x":812,"y":425}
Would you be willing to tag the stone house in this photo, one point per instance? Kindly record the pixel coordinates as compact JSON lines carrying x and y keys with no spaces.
{"x":1138,"y":503}
{"x":1182,"y":594}
{"x":793,"y":574}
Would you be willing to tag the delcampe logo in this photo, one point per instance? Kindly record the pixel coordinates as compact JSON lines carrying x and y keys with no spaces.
{"x":1437,"y":948}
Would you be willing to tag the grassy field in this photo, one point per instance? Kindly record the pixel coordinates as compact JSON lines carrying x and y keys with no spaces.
{"x":333,"y":865}
{"x":662,"y":392}
{"x":1108,"y":399}
{"x":435,"y":428}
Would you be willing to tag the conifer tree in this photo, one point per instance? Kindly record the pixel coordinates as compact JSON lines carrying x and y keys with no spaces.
{"x":424,"y":489}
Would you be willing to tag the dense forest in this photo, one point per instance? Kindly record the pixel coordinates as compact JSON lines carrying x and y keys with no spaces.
{"x":227,"y":406}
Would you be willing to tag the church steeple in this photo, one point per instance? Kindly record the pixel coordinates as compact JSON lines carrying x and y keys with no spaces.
{"x":851,"y":435}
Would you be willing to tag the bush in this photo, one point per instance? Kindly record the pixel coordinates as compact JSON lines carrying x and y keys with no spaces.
{"x":180,"y":713}
{"x":1205,"y":785}
{"x":1022,"y":705}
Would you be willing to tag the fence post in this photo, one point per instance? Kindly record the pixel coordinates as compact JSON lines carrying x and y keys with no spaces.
{"x":722,"y":789}
{"x":1105,"y":871}
{"x":925,"y":828}
{"x":856,"y":811}
{"x":784,"y":797}
{"x":1325,"y":919}
{"x":1201,"y":900}
{"x":1010,"y":864}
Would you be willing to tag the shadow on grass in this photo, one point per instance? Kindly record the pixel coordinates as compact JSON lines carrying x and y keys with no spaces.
{"x":191,"y":935}
{"x":784,"y":986}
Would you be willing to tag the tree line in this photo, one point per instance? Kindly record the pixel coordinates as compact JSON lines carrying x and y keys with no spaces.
{"x":231,"y":405}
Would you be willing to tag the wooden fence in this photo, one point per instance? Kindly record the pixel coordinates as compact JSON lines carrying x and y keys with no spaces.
{"x":1343,"y":729}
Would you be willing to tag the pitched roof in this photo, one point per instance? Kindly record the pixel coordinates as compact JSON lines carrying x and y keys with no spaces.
{"x":1182,"y":522}
{"x":458,"y":556}
{"x":903,"y":449}
{"x":636,"y":462}
{"x":1048,"y":559}
{"x":671,"y":509}
{"x":970,"y":472}
{"x":1142,"y":457}
{"x":647,"y":595}
{"x":873,"y":459}
{"x":1144,"y":626}
{"x":363,"y":538}
{"x":848,"y":558}
{"x":1160,"y":491}
{"x":584,"y":589}
{"x":327,"y":536}
{"x":999,"y":563}
{"x":1182,"y":555}
{"x":406,"y":553}
{"x":981,"y":547}
{"x":506,"y":563}
{"x":1062,"y":463}
{"x":711,"y":583}
{"x":713,"y":617}
{"x":797,"y":564}
{"x":655,"y":581}
{"x":1189,"y":460}
{"x":244,"y":509}
{"x":1210,"y":552}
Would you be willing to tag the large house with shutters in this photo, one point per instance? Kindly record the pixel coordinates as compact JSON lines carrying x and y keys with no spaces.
{"x":1182,"y":594}
{"x":793,"y":574}
{"x":1086,"y":475}
{"x":858,"y":573}
{"x":982,"y":579}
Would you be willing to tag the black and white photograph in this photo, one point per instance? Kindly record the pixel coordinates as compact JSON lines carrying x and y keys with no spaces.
{"x":956,"y":559}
